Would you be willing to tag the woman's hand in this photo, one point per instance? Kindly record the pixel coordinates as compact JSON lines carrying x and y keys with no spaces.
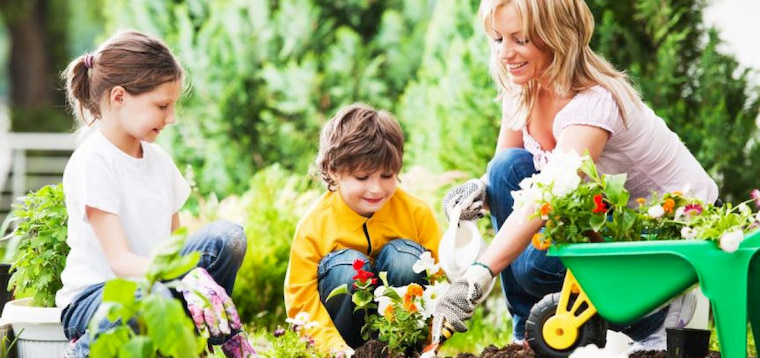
{"x":459,"y":302}
{"x":209,"y":305}
{"x":469,"y":196}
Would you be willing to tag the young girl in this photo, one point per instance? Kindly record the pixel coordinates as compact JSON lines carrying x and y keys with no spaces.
{"x":123,"y":192}
{"x":559,"y":95}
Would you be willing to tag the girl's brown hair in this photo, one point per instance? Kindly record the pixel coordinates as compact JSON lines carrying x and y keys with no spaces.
{"x":135,"y":61}
{"x":359,"y":137}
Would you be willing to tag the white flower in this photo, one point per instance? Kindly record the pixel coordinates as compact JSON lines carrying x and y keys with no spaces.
{"x":430,"y":298}
{"x":656,"y":211}
{"x":301,"y":320}
{"x":744,"y":209}
{"x":688,"y":233}
{"x":730,"y":241}
{"x":426,"y":263}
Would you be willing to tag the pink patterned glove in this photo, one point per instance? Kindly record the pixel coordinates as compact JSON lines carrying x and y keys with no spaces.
{"x":238,"y":347}
{"x":210,"y":307}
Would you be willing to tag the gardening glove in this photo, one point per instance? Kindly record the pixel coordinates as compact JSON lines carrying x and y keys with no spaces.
{"x":469,"y":196}
{"x":209,"y":305}
{"x":458,"y":303}
{"x":238,"y":346}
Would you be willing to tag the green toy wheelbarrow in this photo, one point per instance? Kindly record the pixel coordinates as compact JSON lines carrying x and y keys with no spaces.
{"x":621,"y":282}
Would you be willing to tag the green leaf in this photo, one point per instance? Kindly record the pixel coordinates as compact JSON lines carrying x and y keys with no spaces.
{"x":120,"y":290}
{"x":169,"y":327}
{"x":614,"y":188}
{"x":340,"y":290}
{"x":140,"y":346}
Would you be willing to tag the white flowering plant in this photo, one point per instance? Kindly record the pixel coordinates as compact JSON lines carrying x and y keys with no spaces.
{"x":294,"y":341}
{"x":581,"y":205}
{"x":399,"y":316}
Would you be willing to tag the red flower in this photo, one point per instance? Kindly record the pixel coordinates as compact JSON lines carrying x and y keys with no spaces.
{"x":756,"y":197}
{"x":600,"y":207}
{"x":692,"y":209}
{"x":358,"y":264}
{"x":362,"y":275}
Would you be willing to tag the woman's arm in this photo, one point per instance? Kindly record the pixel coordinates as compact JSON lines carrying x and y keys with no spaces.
{"x":113,"y":241}
{"x":519,"y":228}
{"x":175,"y":222}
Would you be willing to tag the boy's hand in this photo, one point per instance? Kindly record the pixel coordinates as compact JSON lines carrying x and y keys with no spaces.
{"x":458,"y":303}
{"x":469,"y":196}
{"x":210,"y":307}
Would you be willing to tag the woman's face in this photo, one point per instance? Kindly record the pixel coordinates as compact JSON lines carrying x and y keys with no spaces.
{"x":523,"y":59}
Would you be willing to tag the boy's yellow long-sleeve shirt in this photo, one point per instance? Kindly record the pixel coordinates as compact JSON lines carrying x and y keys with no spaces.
{"x":330,"y":225}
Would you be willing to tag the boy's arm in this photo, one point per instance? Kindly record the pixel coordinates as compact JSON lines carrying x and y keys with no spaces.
{"x":302,"y":293}
{"x":429,"y":231}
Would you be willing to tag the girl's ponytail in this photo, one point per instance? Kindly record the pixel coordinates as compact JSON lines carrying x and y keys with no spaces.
{"x":77,"y":77}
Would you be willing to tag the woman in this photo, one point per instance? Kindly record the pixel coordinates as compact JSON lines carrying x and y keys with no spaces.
{"x":557,"y":94}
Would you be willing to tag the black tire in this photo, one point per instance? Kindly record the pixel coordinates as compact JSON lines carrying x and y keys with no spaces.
{"x":594,"y":331}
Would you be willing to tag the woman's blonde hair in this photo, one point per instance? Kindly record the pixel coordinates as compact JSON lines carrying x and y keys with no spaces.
{"x":565,"y":28}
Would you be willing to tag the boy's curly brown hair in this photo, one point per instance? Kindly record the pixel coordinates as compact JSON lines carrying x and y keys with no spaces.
{"x":359,"y":137}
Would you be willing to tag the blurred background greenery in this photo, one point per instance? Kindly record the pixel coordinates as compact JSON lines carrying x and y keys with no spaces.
{"x":265,"y":75}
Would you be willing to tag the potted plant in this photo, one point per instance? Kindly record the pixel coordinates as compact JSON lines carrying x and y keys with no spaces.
{"x":41,"y":256}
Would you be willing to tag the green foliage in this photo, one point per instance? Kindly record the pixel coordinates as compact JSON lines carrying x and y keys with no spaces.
{"x":703,"y":94}
{"x":41,"y":218}
{"x":273,"y":206}
{"x":265,"y":75}
{"x":162,"y":326}
{"x":294,"y":341}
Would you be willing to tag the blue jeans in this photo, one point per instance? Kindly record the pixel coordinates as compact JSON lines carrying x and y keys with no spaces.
{"x":396,"y":258}
{"x":222,"y":246}
{"x":534,"y":274}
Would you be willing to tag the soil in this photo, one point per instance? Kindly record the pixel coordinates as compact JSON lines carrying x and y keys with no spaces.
{"x":376,"y":348}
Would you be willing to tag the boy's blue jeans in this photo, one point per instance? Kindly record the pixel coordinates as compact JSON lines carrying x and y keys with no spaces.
{"x":222,"y":246}
{"x":534,"y":274}
{"x":396,"y":258}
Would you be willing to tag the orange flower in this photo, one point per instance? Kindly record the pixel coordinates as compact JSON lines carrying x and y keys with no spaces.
{"x":388,"y":314}
{"x":546,"y":209}
{"x":641,"y":201}
{"x":412,"y":291}
{"x":668,"y":205}
{"x":539,"y":243}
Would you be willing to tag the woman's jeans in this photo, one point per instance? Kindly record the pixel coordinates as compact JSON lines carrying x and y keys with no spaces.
{"x":222,"y":246}
{"x":396,"y":258}
{"x":533,"y":274}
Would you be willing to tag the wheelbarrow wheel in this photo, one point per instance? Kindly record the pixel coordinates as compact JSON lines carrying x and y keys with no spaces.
{"x":594,"y":331}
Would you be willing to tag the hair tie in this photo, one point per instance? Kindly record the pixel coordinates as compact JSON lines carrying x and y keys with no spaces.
{"x":88,"y":61}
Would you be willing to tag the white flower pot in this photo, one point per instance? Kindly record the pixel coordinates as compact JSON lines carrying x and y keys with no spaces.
{"x":460,"y":246}
{"x":39,"y":329}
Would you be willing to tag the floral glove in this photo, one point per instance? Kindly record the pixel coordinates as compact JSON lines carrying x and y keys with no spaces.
{"x":210,"y":307}
{"x":345,"y":352}
{"x":238,"y":347}
{"x":469,"y":196}
{"x":458,"y":303}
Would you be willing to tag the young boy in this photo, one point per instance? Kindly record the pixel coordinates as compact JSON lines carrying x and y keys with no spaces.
{"x":363,"y":215}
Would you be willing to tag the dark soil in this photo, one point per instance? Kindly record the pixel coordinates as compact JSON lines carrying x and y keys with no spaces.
{"x":376,"y":349}
{"x":510,"y":351}
{"x":663,"y":354}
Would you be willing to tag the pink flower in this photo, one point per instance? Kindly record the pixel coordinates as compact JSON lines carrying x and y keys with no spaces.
{"x":755,"y":195}
{"x":693,"y":209}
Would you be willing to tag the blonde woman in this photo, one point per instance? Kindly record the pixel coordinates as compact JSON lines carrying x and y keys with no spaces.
{"x":557,"y":94}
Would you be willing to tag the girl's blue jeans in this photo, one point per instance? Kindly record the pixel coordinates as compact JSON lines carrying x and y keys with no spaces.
{"x":534,"y":274}
{"x":396,"y":258}
{"x":222,"y":246}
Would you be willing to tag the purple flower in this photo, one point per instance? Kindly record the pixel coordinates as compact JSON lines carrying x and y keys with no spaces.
{"x":279,"y":332}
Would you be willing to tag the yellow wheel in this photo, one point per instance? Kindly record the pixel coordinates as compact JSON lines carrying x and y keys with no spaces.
{"x":553,"y":335}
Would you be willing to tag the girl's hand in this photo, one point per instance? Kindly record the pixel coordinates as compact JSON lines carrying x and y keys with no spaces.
{"x":238,"y":346}
{"x":210,"y":307}
{"x":458,"y":303}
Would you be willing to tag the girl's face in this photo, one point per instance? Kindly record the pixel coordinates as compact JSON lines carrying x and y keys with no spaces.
{"x":523,"y":60}
{"x":142,"y":117}
{"x":366,"y":192}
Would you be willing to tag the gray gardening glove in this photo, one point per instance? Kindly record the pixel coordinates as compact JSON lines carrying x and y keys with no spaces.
{"x":458,"y":303}
{"x":469,"y":196}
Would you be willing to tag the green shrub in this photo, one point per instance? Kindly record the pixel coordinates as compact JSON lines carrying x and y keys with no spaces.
{"x":273,"y":205}
{"x":42,"y":250}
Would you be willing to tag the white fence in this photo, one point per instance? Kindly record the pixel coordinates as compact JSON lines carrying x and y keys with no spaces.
{"x":37,"y":159}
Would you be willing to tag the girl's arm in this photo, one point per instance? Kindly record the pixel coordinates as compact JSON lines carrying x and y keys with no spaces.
{"x":508,"y":138}
{"x":518,"y":229}
{"x":110,"y":233}
{"x":175,"y":222}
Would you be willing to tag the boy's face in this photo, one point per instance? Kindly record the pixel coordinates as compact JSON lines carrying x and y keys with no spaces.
{"x":365,"y":192}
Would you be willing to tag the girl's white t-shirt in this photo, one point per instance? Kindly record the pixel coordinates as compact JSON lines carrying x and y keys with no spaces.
{"x":144,"y":192}
{"x":644,"y":147}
